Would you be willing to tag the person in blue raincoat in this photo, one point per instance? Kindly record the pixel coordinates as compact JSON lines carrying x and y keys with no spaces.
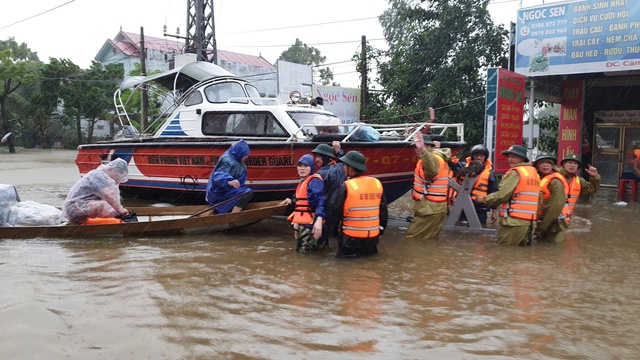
{"x":333,"y":175}
{"x":228,"y":178}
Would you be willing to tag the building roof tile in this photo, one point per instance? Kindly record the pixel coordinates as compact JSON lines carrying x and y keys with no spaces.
{"x":129,"y":44}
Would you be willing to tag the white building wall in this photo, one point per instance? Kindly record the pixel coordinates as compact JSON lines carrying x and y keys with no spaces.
{"x":263,"y":79}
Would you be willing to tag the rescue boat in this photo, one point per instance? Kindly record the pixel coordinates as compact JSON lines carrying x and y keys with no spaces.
{"x":207,"y":109}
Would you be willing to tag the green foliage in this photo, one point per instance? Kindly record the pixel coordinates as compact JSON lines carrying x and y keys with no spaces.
{"x":39,"y":101}
{"x":86,"y":93}
{"x":439,"y":53}
{"x":133,"y":101}
{"x":548,"y":120}
{"x":301,"y":53}
{"x":18,"y":74}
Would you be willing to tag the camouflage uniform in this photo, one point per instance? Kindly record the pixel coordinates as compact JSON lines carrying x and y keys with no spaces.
{"x":305,"y":242}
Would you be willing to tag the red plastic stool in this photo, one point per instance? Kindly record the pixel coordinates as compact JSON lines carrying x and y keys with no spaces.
{"x":623,"y":187}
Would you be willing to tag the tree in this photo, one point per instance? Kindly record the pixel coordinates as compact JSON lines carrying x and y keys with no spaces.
{"x":548,"y":120}
{"x":304,"y":54}
{"x":102,"y":80}
{"x":438,"y":56}
{"x":375,"y":107}
{"x":85,"y":93}
{"x":132,"y":100}
{"x":56,"y":88}
{"x":18,"y":68}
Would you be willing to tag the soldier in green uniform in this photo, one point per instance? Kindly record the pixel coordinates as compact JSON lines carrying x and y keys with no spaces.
{"x":519,"y":195}
{"x":429,"y":189}
{"x":569,"y":169}
{"x":552,"y":221}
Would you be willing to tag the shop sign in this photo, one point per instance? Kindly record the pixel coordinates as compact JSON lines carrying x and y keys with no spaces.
{"x":503,"y":114}
{"x":616,"y":116}
{"x":584,"y":36}
{"x":342,"y":102}
{"x":570,"y":118}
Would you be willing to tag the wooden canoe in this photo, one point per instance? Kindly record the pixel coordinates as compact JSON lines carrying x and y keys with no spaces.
{"x":155,"y":221}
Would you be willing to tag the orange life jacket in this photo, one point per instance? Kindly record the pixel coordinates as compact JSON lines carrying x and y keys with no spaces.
{"x":434,"y":190}
{"x":102,"y":221}
{"x":523,"y":203}
{"x":546,"y":192}
{"x":572,"y":196}
{"x":361,"y":212}
{"x":481,"y":187}
{"x":302,"y":213}
{"x":451,"y":192}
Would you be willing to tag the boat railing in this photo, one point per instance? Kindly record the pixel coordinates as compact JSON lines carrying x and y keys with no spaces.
{"x":121,"y":111}
{"x":123,"y":115}
{"x":402,"y":132}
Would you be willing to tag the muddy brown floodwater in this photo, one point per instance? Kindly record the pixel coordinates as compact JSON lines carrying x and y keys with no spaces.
{"x":245,"y":294}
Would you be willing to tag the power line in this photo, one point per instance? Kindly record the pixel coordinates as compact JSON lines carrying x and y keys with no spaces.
{"x":333,"y":63}
{"x":289,"y":45}
{"x":36,"y":15}
{"x":299,"y":26}
{"x":424,"y":111}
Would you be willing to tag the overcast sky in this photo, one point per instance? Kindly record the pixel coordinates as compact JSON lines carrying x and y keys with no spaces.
{"x":77,"y":29}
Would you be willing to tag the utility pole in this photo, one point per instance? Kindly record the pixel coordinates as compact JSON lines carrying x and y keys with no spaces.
{"x":144,"y":101}
{"x":532,"y":104}
{"x":201,"y":31}
{"x":363,"y":75}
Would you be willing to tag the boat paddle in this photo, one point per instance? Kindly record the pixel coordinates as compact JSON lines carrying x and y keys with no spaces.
{"x":216,"y":205}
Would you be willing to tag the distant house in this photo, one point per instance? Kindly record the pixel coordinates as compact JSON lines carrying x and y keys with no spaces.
{"x":162,"y":52}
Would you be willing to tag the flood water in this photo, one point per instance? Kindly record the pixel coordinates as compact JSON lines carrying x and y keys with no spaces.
{"x":246,"y":294}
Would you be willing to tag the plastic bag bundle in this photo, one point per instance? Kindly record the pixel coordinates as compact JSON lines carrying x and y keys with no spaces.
{"x":8,"y":197}
{"x":31,"y":213}
{"x":367,"y":134}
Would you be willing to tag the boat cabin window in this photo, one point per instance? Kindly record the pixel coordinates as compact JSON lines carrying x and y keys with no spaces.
{"x":318,"y":123}
{"x":255,"y":123}
{"x":194,"y":98}
{"x":222,"y":92}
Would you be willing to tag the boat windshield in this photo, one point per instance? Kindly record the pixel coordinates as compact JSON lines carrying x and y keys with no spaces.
{"x":232,"y":91}
{"x":221,"y":92}
{"x":318,"y":123}
{"x":254,"y":94}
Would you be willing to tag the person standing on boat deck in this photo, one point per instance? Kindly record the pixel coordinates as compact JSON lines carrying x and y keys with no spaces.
{"x":552,"y":221}
{"x":362,"y":208}
{"x":519,"y":196}
{"x":308,"y":215}
{"x":431,"y":180}
{"x":333,"y":175}
{"x":96,"y":195}
{"x":228,"y":178}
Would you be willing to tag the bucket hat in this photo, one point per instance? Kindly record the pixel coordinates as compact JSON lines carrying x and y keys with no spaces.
{"x":517,"y":150}
{"x":573,"y":157}
{"x":355,"y":159}
{"x":324,"y":149}
{"x":545,"y":156}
